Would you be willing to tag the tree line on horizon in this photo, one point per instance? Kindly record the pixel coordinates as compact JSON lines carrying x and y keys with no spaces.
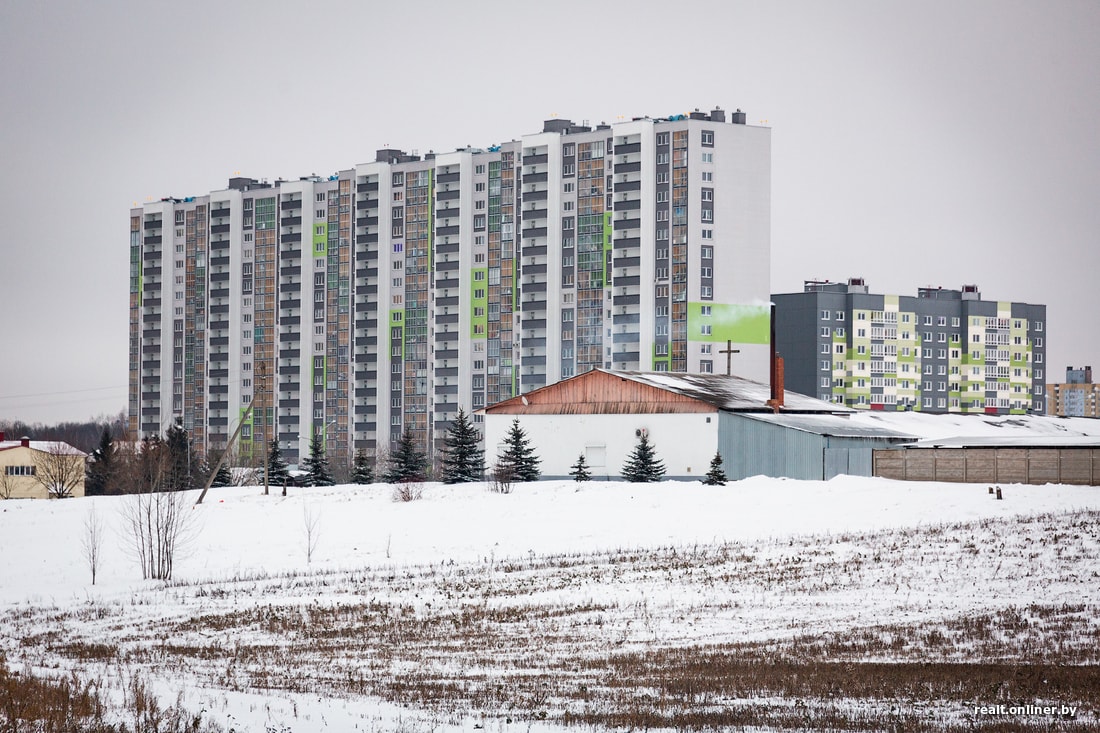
{"x":170,"y":463}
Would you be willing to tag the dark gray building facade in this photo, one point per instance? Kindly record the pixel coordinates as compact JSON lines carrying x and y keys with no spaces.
{"x":940,"y":351}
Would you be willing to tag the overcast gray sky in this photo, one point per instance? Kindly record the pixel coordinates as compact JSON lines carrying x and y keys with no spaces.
{"x":930,"y":143}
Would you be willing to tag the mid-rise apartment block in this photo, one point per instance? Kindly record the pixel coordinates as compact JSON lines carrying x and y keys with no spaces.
{"x":386,"y":296}
{"x":941,"y":351}
{"x":1078,"y":396}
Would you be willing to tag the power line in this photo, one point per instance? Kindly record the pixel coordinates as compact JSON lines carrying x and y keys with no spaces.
{"x":58,"y":392}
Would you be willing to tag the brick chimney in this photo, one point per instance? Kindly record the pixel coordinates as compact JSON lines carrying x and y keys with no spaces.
{"x":778,"y":389}
{"x":776,"y":369}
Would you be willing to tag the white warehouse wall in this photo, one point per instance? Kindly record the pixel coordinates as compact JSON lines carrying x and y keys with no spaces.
{"x":686,"y":442}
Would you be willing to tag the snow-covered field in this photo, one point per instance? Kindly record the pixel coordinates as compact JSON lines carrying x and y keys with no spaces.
{"x":577,"y":604}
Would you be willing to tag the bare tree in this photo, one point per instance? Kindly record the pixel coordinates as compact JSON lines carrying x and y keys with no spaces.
{"x":502,"y":476}
{"x":312,"y":521}
{"x":409,"y":490}
{"x":92,"y":541}
{"x":59,"y":469}
{"x":158,"y":522}
{"x":7,"y":484}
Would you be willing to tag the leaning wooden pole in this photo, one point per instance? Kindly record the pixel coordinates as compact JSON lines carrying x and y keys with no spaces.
{"x":225,"y":453}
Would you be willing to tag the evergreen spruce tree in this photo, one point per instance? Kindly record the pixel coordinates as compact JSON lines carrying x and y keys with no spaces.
{"x":316,"y":466}
{"x":580,"y":470}
{"x":362,"y":472}
{"x":407,"y":463}
{"x":223,"y":477}
{"x":277,"y":473}
{"x":99,"y":478}
{"x":642,"y":465}
{"x":463,"y":458}
{"x":715,"y":475}
{"x":519,"y":457}
{"x":180,"y":470}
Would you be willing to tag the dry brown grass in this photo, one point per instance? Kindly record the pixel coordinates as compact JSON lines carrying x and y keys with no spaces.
{"x":652,"y":645}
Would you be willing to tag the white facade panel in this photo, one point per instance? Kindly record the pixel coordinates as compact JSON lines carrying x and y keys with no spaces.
{"x":686,"y":443}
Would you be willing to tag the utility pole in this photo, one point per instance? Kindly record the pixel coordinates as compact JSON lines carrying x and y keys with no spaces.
{"x":228,"y":447}
{"x":729,"y":351}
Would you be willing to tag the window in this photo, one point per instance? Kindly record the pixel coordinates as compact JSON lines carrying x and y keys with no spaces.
{"x":398,"y":179}
{"x":826,"y":365}
{"x":708,"y":157}
{"x":708,"y":176}
{"x":662,"y":158}
{"x":662,"y":138}
{"x":707,"y":137}
{"x":706,"y":366}
{"x":662,"y":177}
{"x":707,"y":215}
{"x":708,"y":234}
{"x":705,"y":292}
{"x":707,"y":194}
{"x":567,"y":223}
{"x":826,"y":332}
{"x":479,"y":169}
{"x":706,"y":253}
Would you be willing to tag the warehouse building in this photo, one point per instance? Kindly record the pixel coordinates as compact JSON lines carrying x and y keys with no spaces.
{"x":758,"y":428}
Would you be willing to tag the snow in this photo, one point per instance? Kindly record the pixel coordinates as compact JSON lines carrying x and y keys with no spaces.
{"x":251,"y":548}
{"x":243,"y":532}
{"x":1024,"y":428}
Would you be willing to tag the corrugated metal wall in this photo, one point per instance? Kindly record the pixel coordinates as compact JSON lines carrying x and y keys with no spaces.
{"x":752,"y":448}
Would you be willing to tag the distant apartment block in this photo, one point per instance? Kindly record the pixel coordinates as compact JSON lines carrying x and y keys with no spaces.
{"x":1076,"y":397}
{"x":386,"y":296}
{"x":941,"y":351}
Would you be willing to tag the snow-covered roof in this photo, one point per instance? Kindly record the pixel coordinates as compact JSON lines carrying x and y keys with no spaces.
{"x":835,"y":426}
{"x":46,"y":446}
{"x":1014,"y":441}
{"x":730,"y":393}
{"x":1001,"y":429}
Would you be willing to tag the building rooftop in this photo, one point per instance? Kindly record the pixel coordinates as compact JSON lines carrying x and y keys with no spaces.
{"x":833,"y":426}
{"x":731,"y":393}
{"x":46,"y":446}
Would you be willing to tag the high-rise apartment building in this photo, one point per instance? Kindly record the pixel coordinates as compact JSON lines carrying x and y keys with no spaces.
{"x":386,"y":296}
{"x":941,"y":351}
{"x":1078,"y":396}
